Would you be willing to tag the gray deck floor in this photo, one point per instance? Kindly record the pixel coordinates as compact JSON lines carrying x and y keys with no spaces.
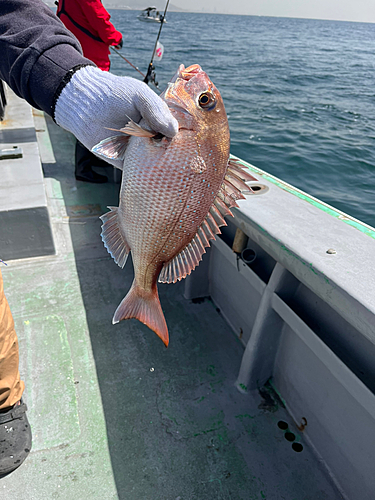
{"x":114,"y":413}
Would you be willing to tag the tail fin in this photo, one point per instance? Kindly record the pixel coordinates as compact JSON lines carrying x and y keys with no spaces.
{"x":146,"y":307}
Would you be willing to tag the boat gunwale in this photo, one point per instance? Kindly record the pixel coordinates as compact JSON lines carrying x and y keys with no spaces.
{"x":325,"y":207}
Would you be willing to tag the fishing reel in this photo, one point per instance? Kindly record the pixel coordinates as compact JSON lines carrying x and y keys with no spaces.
{"x":151,"y":75}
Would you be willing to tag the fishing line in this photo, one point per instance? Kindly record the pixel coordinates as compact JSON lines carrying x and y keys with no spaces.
{"x":132,"y":65}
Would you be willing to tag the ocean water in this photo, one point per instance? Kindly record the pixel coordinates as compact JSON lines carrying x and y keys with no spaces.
{"x":300,"y":94}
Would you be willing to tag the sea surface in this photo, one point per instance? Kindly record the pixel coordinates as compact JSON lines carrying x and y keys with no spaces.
{"x":300,"y":94}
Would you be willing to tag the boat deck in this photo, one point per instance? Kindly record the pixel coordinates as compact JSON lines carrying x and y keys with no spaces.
{"x":115,"y":414}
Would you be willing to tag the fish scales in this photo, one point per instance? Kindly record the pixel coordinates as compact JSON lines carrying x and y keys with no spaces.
{"x":168,"y":193}
{"x":164,"y":224}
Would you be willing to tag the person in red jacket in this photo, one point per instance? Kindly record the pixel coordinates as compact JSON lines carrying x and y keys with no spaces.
{"x":89,"y":21}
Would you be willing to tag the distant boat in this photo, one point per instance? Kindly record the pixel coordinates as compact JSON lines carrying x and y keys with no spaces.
{"x":150,"y":15}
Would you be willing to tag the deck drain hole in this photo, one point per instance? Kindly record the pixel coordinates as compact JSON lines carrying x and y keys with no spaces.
{"x":256,"y":188}
{"x":289,"y":436}
{"x":297,"y":447}
{"x":282,"y":425}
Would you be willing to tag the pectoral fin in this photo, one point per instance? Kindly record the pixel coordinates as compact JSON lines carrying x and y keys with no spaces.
{"x":113,"y":147}
{"x":133,"y":128}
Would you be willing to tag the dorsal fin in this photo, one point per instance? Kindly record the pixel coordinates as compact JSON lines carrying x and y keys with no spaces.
{"x":231,"y":190}
{"x":113,"y":239}
{"x":222,"y":207}
{"x":183,"y":263}
{"x":236,"y":181}
{"x":240,"y":170}
{"x":187,"y":260}
{"x":219,"y":219}
{"x":225,"y":198}
{"x":206,"y":228}
{"x":212,"y":223}
{"x":234,"y":185}
{"x":203,"y":237}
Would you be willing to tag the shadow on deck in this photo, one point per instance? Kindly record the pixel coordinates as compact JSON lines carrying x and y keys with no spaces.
{"x":114,"y":413}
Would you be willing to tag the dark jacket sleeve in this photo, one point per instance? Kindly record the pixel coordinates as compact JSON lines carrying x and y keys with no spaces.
{"x":37,"y":53}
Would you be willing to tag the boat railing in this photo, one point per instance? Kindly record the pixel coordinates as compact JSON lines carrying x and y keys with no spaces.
{"x":301,"y":302}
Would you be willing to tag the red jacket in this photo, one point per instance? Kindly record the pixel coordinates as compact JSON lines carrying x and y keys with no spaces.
{"x":89,"y":21}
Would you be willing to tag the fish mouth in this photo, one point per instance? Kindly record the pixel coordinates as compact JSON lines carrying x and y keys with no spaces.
{"x":173,"y":100}
{"x":185,"y":73}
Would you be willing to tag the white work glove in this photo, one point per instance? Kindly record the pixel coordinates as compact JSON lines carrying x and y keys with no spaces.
{"x":95,"y":100}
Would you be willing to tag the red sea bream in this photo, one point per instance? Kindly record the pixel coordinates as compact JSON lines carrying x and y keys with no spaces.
{"x":174,"y":194}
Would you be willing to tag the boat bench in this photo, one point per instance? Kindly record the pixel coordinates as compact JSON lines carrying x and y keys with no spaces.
{"x":24,"y":219}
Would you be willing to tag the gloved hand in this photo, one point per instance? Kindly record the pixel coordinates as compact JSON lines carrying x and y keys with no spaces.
{"x":94,"y":99}
{"x":120,"y":44}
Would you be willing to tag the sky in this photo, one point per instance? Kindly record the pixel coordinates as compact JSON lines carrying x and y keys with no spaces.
{"x":341,"y":10}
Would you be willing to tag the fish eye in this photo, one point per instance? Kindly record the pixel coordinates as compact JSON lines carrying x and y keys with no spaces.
{"x":207,"y":100}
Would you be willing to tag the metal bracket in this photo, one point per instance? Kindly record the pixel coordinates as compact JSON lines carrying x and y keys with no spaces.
{"x":9,"y":154}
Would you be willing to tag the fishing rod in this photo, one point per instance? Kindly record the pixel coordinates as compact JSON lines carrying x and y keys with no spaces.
{"x":150,"y":76}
